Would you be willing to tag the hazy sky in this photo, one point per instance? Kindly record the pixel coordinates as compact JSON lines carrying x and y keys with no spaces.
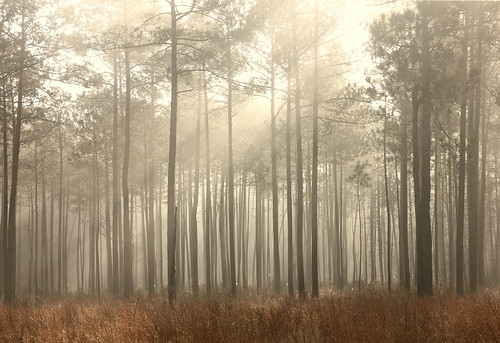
{"x":353,"y":31}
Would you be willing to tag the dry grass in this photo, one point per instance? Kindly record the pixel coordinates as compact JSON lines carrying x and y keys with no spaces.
{"x":349,"y":317}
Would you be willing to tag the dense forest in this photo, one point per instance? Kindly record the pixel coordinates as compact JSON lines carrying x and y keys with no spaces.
{"x":229,"y":146}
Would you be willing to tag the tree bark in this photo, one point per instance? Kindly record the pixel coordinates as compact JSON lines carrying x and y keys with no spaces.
{"x":461,"y":166}
{"x":299,"y":185}
{"x":386,"y":184}
{"x":10,"y":251}
{"x":194,"y":208}
{"x":151,"y":232}
{"x":171,"y":209}
{"x":403,"y":207}
{"x":127,"y":230}
{"x":473,"y":168}
{"x":422,"y":153}
{"x":230,"y":179}
{"x":5,"y":183}
{"x":208,"y":199}
{"x":274,"y":180}
{"x":289,"y":196}
{"x":314,"y":186}
{"x":116,"y":198}
{"x":109,"y":252}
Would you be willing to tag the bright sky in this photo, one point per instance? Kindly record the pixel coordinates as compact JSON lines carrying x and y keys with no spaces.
{"x":353,"y":31}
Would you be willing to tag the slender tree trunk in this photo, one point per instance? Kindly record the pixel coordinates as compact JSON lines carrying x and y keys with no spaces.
{"x":484,"y":148}
{"x":422,"y":169}
{"x":116,"y":198}
{"x":473,"y":171}
{"x":497,"y":208}
{"x":31,"y":217}
{"x":373,"y":262}
{"x":230,"y":179}
{"x":222,"y":234}
{"x":35,"y":224}
{"x":338,"y":228}
{"x":342,"y":221}
{"x":92,"y":234}
{"x":60,"y":214}
{"x":386,"y":183}
{"x":289,"y":196}
{"x":314,"y":186}
{"x":160,"y":229}
{"x":171,"y":209}
{"x":461,"y":167}
{"x":79,"y":288}
{"x":5,"y":183}
{"x":299,"y":185}
{"x":258,"y":234}
{"x":437,"y":190}
{"x":403,"y":207}
{"x":179,"y":253}
{"x":85,"y":221}
{"x":51,"y":240}
{"x":274,"y":181}
{"x":10,"y":251}
{"x":109,"y":253}
{"x":151,"y":231}
{"x":45,"y":252}
{"x":208,"y":199}
{"x":213,"y":241}
{"x":451,"y":226}
{"x":194,"y":207}
{"x":95,"y":239}
{"x":128,"y":284}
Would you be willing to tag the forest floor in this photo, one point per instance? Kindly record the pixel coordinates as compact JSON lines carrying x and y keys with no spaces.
{"x":334,"y":317}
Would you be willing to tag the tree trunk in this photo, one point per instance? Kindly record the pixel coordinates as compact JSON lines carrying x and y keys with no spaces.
{"x":473,"y":170}
{"x":403,"y":207}
{"x":108,"y":219}
{"x":151,"y":231}
{"x":194,"y":208}
{"x":171,"y":209}
{"x":437,"y":190}
{"x":5,"y":183}
{"x":45,"y":256}
{"x":60,"y":213}
{"x":208,"y":199}
{"x":461,"y":167}
{"x":274,"y":180}
{"x":160,"y":230}
{"x":422,"y":153}
{"x":289,"y":196}
{"x":51,"y":240}
{"x":314,"y":186}
{"x":484,"y":146}
{"x":299,"y":185}
{"x":222,"y":233}
{"x":386,"y":184}
{"x":116,"y":199}
{"x":10,"y":251}
{"x":258,"y":234}
{"x":127,"y":230}
{"x":230,"y":179}
{"x":35,"y":222}
{"x":451,"y":228}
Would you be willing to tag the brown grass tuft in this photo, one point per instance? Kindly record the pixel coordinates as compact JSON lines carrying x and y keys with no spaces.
{"x":347,"y":317}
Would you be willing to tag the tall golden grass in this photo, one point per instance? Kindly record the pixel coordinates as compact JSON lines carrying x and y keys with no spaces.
{"x":346,"y":317}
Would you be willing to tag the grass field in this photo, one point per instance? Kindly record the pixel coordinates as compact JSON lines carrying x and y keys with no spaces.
{"x":346,"y":317}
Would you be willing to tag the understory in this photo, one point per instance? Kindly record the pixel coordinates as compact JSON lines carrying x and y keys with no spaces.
{"x":372,"y":316}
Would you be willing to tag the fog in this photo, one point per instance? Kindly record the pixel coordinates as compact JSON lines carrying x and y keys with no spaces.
{"x":288,"y":147}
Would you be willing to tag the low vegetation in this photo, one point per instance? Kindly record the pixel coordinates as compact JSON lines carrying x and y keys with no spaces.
{"x":348,"y":317}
